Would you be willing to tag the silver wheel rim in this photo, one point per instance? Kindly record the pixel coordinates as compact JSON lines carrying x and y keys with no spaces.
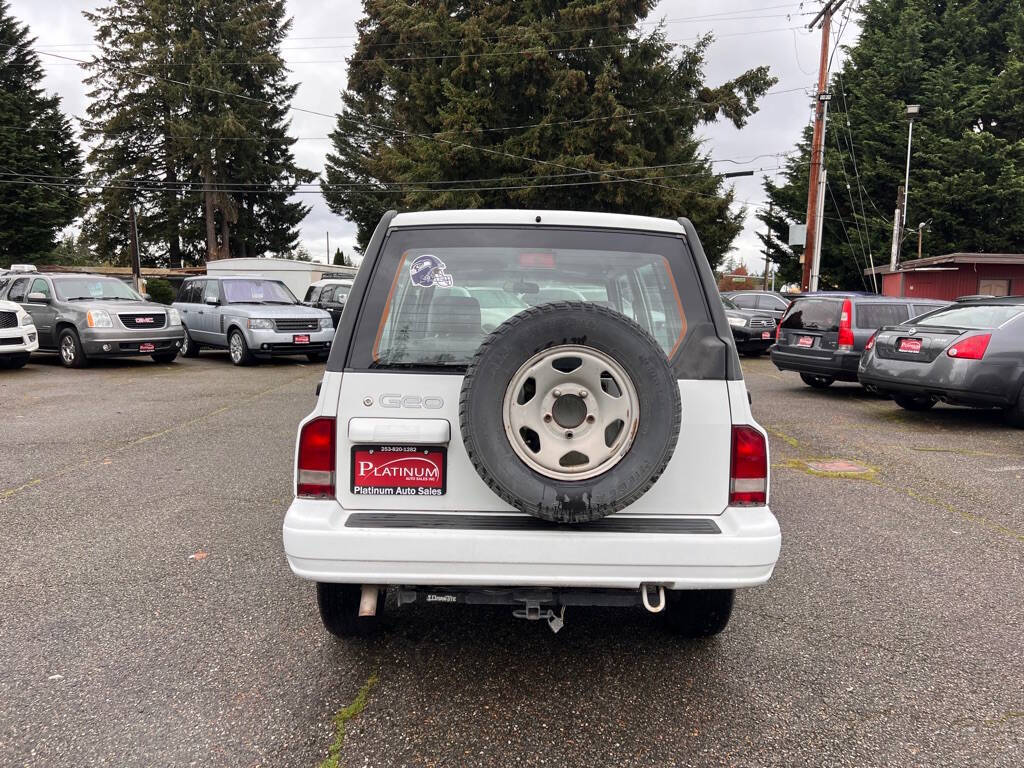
{"x":236,"y":348}
{"x":571,"y":412}
{"x":184,"y":344}
{"x":67,"y":349}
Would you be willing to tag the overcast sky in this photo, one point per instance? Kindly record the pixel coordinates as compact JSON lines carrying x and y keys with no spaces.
{"x":758,"y":32}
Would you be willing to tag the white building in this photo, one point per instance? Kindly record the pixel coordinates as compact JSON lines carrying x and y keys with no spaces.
{"x":297,"y":275}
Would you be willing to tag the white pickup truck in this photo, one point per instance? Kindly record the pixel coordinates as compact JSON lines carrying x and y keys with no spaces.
{"x":540,"y":409}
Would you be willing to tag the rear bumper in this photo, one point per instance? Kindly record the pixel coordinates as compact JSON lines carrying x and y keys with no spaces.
{"x":322,"y":544}
{"x":838,"y":365}
{"x":960,"y":382}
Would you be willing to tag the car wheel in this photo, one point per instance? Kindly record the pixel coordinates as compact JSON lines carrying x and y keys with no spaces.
{"x":915,"y":402}
{"x":696,"y":613}
{"x":818,"y":382}
{"x":1015,"y":414}
{"x":339,"y":610}
{"x":70,"y":348}
{"x":166,"y":357}
{"x":189,"y":348}
{"x":238,"y":349}
{"x":11,"y":362}
{"x":317,"y":357}
{"x":569,"y":411}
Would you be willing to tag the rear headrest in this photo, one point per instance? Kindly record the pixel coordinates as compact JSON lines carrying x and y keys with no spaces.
{"x":455,"y":316}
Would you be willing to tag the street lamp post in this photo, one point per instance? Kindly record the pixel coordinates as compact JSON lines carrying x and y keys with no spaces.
{"x":913,"y":110}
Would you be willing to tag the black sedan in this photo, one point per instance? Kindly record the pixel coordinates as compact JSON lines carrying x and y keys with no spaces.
{"x":970,"y":353}
{"x":753,"y":331}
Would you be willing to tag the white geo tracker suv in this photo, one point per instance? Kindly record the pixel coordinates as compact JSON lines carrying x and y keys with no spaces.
{"x":538,"y":409}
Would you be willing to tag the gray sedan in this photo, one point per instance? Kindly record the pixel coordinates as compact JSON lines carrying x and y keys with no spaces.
{"x":971,"y":353}
{"x":86,"y":316}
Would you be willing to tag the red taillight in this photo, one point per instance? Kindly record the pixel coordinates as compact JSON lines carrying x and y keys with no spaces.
{"x":971,"y":348}
{"x":748,"y":481}
{"x":316,"y":459}
{"x":846,"y":327}
{"x":871,"y":342}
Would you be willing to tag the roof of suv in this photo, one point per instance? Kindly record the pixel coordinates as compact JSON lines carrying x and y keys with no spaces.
{"x":872,"y":297}
{"x":482,"y":217}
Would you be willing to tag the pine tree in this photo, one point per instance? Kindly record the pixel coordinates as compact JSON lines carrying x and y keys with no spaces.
{"x":39,"y":157}
{"x":190,"y":103}
{"x":587,"y":89}
{"x":340,"y":259}
{"x":963,"y":62}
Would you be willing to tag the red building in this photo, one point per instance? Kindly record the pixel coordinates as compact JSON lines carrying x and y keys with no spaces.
{"x":955,"y":275}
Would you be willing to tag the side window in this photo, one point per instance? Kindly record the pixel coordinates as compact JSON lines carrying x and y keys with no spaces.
{"x":41,"y":286}
{"x":873,"y":316}
{"x":212,"y":290}
{"x":745,"y":301}
{"x":187,"y":293}
{"x":767,"y":301}
{"x":18,"y":290}
{"x":313,"y":294}
{"x":327,"y":294}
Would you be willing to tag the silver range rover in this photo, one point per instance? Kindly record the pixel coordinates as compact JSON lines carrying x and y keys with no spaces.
{"x":251,"y":317}
{"x":84,"y":316}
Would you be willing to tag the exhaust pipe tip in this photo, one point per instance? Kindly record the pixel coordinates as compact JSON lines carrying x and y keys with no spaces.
{"x":368,"y":600}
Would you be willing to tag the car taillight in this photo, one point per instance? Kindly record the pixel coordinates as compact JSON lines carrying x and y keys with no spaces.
{"x":846,"y":328}
{"x":316,"y":459}
{"x":971,"y":348}
{"x":871,"y":342}
{"x":748,"y":481}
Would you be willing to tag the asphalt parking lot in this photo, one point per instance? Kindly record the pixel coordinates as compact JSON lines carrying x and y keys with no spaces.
{"x":149,"y":617}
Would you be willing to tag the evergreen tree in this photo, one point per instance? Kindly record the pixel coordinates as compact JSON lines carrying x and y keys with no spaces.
{"x":39,"y":158}
{"x":190,"y":103}
{"x":341,"y":260}
{"x":963,"y":62}
{"x":585,"y":87}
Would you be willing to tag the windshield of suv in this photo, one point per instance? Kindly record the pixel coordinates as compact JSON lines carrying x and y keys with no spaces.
{"x":979,"y":316}
{"x":813,"y":314}
{"x":445,"y":299}
{"x":93,"y":289}
{"x":257,"y":292}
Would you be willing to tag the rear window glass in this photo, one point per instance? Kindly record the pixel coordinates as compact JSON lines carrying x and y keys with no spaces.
{"x":874,"y":316}
{"x":448,"y":289}
{"x":813,"y":314}
{"x":984,"y":316}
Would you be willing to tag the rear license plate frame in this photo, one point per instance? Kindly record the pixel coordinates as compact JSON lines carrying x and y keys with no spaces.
{"x":805,"y":342}
{"x":375,"y":465}
{"x":909,"y":346}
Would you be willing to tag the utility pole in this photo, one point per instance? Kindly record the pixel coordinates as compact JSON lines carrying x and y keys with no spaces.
{"x":920,"y":236}
{"x":897,"y":229}
{"x":814,"y":206}
{"x":328,"y":247}
{"x":133,"y":249}
{"x":767,"y":243}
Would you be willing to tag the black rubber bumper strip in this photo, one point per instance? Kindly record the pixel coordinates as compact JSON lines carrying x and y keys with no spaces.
{"x":497,"y":522}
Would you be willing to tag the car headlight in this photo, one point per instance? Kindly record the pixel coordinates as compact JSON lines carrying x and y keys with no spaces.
{"x":737,"y":322}
{"x":261,"y":324}
{"x":27,"y":319}
{"x":326,"y":323}
{"x":98,"y":318}
{"x":173,"y":317}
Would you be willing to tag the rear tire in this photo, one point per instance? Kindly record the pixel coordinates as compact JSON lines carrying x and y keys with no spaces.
{"x":339,"y":610}
{"x":698,"y":613}
{"x":1015,"y":414}
{"x":238,"y":349}
{"x":817,"y":382}
{"x":69,"y":347}
{"x":915,"y":402}
{"x":165,"y":357}
{"x":189,"y":348}
{"x":10,"y":362}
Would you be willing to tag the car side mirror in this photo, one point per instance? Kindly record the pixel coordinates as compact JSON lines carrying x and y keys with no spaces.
{"x":213,"y":301}
{"x":37,"y":297}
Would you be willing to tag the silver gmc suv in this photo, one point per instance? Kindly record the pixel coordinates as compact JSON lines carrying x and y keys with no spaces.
{"x":85,"y":316}
{"x":251,"y":317}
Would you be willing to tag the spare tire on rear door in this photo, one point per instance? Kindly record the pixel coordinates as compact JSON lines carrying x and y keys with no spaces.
{"x":570,"y":411}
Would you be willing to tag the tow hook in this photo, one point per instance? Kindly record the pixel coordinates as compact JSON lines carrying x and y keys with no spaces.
{"x":645,"y":596}
{"x":533,"y":612}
